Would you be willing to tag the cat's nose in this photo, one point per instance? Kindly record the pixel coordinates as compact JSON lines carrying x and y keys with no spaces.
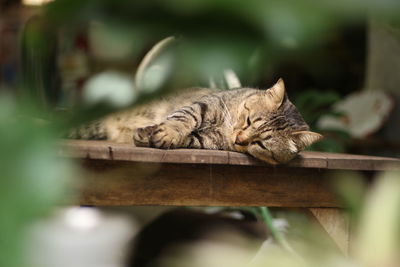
{"x":241,"y":140}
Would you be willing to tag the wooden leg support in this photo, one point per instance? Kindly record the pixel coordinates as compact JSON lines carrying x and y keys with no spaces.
{"x":336,"y":223}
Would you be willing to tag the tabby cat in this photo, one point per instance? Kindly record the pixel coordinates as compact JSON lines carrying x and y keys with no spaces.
{"x":262,"y":123}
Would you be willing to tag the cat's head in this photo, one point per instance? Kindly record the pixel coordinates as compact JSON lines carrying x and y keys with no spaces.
{"x":270,"y":128}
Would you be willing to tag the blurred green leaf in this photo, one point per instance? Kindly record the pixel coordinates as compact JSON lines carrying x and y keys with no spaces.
{"x":378,"y":235}
{"x":32,"y":179}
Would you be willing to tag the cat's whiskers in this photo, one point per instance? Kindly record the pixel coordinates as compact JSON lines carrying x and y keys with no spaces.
{"x":227,"y":113}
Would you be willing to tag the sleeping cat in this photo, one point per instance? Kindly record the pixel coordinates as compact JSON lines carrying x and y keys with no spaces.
{"x":262,"y":123}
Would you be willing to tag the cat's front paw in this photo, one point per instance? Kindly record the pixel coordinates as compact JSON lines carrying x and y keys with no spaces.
{"x":165,"y":136}
{"x":141,"y":136}
{"x":158,"y":136}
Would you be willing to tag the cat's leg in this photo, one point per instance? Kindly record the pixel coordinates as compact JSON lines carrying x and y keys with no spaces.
{"x":205,"y":140}
{"x":173,"y":131}
{"x":210,"y":139}
{"x":193,"y":140}
{"x":122,"y":127}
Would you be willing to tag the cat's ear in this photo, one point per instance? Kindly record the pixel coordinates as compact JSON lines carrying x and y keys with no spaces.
{"x":276,"y":93}
{"x":305,"y":138}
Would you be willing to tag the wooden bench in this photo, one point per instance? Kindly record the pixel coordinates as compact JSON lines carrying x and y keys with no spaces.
{"x":122,"y":175}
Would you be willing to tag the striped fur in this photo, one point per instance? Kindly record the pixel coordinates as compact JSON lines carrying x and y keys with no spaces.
{"x":263,"y":123}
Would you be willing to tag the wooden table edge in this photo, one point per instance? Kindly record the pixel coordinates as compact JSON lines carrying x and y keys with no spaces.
{"x":104,"y":150}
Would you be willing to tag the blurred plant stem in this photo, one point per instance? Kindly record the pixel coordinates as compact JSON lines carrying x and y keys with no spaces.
{"x":279,"y":238}
{"x":39,"y":74}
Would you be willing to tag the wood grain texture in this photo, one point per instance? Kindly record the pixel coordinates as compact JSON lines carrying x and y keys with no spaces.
{"x":124,"y":152}
{"x":122,"y":183}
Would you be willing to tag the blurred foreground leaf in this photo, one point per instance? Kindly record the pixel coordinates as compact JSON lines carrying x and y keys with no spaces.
{"x":32,"y":178}
{"x":378,"y":239}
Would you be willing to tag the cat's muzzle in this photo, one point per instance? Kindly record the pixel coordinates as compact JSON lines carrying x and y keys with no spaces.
{"x":242,"y":140}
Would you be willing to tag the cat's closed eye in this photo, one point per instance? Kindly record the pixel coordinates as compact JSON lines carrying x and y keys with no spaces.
{"x":248,"y":121}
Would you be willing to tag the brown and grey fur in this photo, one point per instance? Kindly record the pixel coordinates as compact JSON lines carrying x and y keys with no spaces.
{"x":262,"y":123}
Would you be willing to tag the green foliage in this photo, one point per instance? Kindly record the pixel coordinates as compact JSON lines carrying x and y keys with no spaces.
{"x":39,"y":75}
{"x":375,"y":240}
{"x":32,"y":178}
{"x":215,"y":34}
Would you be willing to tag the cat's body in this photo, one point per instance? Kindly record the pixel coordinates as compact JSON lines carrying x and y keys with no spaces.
{"x":263,"y":123}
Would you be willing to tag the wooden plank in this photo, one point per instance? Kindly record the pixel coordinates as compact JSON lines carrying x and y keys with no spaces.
{"x":125,"y":183}
{"x":336,"y":223}
{"x":124,"y":152}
